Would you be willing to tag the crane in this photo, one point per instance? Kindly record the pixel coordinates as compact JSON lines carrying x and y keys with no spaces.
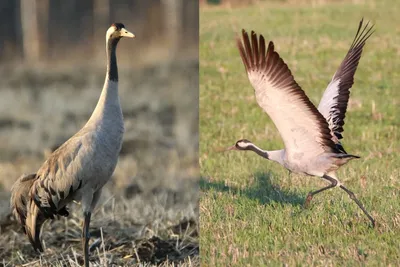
{"x":81,"y":166}
{"x":311,"y":136}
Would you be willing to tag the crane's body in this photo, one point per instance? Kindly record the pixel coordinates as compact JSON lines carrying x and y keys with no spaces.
{"x":311,"y":136}
{"x":80,"y":167}
{"x":300,"y":162}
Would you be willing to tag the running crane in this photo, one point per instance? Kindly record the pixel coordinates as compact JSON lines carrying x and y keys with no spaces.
{"x":311,"y":136}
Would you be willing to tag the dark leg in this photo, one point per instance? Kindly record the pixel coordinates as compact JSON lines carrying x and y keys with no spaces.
{"x":85,"y":237}
{"x":353,"y":197}
{"x":311,"y":194}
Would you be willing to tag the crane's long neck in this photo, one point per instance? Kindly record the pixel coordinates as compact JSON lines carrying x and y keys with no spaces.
{"x":274,"y":155}
{"x":112,"y":68}
{"x":108,"y":103}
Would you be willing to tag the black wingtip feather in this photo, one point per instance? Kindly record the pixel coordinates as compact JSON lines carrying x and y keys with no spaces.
{"x":346,"y":156}
{"x":35,"y":241}
{"x":345,"y":74}
{"x":254,"y":43}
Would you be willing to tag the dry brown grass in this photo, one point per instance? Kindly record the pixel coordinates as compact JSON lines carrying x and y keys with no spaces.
{"x":116,"y":240}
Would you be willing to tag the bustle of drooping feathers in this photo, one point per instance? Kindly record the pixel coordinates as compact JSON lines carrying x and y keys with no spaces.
{"x":27,"y":212}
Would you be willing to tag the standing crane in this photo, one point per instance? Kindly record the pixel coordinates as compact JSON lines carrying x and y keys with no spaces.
{"x":311,"y":136}
{"x":80,"y":167}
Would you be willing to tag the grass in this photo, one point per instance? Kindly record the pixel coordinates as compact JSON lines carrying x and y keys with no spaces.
{"x":251,"y":210}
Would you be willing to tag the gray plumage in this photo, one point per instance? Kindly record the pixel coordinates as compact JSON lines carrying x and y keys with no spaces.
{"x":311,"y":136}
{"x":80,"y":167}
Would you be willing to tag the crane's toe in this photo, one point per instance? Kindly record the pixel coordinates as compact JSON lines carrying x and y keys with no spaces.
{"x":308,"y":200}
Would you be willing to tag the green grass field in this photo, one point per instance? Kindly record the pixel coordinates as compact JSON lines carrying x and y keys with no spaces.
{"x":251,"y":209}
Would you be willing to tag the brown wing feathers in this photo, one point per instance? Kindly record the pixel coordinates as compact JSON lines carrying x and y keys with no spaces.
{"x":46,"y":193}
{"x":345,"y":74}
{"x":270,"y":66}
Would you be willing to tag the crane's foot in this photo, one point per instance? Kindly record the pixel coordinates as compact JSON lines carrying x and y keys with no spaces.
{"x":359,"y":204}
{"x":308,"y":200}
{"x":313,"y":193}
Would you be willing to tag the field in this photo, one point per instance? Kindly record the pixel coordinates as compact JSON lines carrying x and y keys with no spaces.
{"x":148,"y":212}
{"x":251,"y":210}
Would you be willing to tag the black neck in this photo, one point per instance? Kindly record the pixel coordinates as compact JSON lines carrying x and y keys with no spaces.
{"x":262,"y":153}
{"x":112,"y":69}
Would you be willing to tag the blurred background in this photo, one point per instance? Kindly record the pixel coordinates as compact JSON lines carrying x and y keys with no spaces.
{"x":52,"y":69}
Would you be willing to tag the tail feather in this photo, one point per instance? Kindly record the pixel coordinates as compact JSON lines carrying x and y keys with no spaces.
{"x":20,"y":197}
{"x":346,"y":156}
{"x":341,"y":158}
{"x":25,"y":210}
{"x":33,"y":226}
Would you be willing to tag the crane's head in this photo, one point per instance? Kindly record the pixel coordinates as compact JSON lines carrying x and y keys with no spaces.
{"x":242,"y":144}
{"x":117,"y":31}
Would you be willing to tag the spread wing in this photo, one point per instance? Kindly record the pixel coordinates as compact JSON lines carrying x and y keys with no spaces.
{"x":334,"y":101}
{"x":302,"y":128}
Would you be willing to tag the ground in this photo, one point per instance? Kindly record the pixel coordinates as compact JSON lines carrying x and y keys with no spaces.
{"x":148,"y":212}
{"x":252,"y":210}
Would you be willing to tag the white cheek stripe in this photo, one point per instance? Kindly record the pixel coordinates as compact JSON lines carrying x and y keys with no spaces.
{"x":110,"y":31}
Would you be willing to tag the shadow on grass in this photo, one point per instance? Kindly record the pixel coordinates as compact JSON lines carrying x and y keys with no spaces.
{"x":262,"y":190}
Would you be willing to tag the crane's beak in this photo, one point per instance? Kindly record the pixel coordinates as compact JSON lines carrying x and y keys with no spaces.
{"x":220,"y":150}
{"x":126,"y":33}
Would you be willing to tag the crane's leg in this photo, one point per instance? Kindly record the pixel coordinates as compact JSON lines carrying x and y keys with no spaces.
{"x":313,"y":193}
{"x":353,"y":197}
{"x":86,"y":201}
{"x":85,"y":237}
{"x":351,"y":194}
{"x":96,"y":197}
